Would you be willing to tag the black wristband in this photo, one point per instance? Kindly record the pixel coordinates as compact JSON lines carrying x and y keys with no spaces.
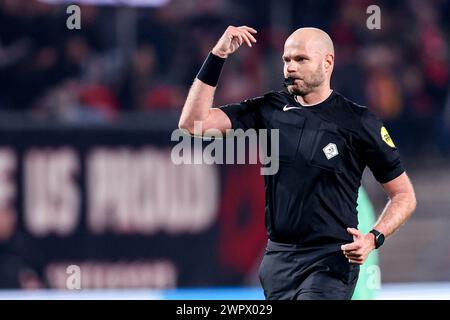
{"x":210,"y":71}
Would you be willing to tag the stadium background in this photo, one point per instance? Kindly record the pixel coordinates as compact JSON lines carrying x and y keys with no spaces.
{"x":86,"y":117}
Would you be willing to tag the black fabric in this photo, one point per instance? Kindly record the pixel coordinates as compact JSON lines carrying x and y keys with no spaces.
{"x":312,"y":199}
{"x":290,"y":273}
{"x":210,"y":71}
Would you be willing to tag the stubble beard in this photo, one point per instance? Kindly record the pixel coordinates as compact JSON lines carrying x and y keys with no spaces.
{"x":309,"y":84}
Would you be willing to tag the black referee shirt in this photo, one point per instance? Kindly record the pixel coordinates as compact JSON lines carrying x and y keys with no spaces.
{"x":323,"y":150}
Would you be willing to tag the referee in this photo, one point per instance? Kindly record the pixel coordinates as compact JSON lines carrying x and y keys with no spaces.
{"x":325,"y":141}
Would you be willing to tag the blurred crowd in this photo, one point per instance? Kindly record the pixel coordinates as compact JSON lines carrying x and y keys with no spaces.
{"x":144,"y":59}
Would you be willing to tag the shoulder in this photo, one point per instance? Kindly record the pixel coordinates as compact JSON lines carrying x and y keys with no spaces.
{"x":350,"y":107}
{"x":351,"y":114}
{"x":270,"y":101}
{"x":272,"y":96}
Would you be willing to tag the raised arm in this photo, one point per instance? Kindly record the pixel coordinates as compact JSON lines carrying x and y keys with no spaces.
{"x":200,"y":98}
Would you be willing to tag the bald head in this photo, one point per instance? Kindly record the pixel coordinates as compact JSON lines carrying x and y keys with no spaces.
{"x":314,"y":39}
{"x":308,"y":57}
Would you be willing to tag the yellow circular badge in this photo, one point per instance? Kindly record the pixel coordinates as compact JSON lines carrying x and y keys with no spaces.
{"x":387,"y":138}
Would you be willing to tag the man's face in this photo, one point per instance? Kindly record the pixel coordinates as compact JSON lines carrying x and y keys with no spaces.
{"x":306,"y":68}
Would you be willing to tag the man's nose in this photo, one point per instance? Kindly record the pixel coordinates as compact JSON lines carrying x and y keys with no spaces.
{"x":290,"y":67}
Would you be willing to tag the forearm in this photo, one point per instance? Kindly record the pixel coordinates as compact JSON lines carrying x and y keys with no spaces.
{"x":399,"y":208}
{"x":197,"y":105}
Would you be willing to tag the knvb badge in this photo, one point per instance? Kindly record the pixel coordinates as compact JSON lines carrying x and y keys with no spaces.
{"x":330,"y":151}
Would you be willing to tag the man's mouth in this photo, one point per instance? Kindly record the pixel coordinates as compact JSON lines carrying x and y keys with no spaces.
{"x":291,"y":81}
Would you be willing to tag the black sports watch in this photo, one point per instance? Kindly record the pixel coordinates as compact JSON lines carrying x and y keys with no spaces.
{"x":379,"y":238}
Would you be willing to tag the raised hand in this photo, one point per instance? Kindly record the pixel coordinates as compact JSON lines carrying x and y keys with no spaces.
{"x":232,"y":39}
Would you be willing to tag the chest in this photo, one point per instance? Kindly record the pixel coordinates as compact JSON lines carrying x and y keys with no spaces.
{"x":305,"y":137}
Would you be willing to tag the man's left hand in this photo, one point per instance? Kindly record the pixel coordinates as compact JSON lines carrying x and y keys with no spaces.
{"x":358,"y":251}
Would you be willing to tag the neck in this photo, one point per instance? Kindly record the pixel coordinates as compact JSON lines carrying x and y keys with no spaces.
{"x":314,"y":97}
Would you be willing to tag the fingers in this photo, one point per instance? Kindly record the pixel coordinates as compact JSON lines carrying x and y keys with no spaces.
{"x":354,"y":232}
{"x":354,"y":253}
{"x":243,"y":33}
{"x":250,"y":37}
{"x":251,"y":30}
{"x":351,"y":246}
{"x":360,"y":262}
{"x":354,"y":257}
{"x":239,"y":37}
{"x":232,"y":39}
{"x":244,"y":36}
{"x":248,"y":32}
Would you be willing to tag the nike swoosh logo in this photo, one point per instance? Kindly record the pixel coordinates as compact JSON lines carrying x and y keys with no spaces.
{"x":286,"y":108}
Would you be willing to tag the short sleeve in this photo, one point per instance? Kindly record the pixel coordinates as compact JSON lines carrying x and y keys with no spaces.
{"x":245,"y":115}
{"x":378,"y":149}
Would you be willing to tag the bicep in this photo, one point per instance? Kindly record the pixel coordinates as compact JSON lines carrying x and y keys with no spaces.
{"x":244,"y":115}
{"x":399,"y":185}
{"x":216,"y":119}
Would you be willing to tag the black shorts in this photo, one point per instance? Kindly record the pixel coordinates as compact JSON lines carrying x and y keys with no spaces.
{"x":288,"y":272}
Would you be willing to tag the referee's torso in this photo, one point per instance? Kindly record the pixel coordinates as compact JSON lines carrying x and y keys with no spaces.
{"x":323,"y":150}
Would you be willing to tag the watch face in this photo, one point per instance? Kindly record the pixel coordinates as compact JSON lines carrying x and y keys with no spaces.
{"x":380,"y":240}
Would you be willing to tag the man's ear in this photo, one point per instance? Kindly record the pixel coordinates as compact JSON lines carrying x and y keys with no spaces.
{"x":329,"y":61}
